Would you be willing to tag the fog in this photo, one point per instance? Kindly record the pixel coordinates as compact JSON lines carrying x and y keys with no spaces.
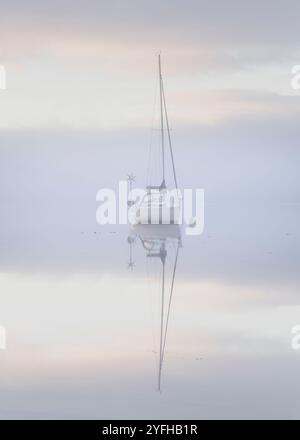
{"x":81,"y":303}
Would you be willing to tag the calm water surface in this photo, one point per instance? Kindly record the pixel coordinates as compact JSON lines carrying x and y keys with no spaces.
{"x":82,"y":310}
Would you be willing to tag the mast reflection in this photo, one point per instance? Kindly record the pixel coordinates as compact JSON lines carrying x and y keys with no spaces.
{"x":155,"y":240}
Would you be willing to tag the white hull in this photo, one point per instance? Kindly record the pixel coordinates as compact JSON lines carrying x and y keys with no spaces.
{"x":156,"y":215}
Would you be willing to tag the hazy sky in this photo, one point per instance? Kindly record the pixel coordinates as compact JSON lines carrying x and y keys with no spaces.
{"x":74,"y":65}
{"x":81,"y":86}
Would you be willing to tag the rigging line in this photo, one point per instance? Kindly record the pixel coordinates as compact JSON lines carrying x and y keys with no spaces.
{"x":161,"y":119}
{"x":162,"y":325}
{"x":170,"y":300}
{"x":169,"y":136}
{"x":151,"y":135}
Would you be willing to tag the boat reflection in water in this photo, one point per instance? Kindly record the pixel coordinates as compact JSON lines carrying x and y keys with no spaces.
{"x":156,"y":240}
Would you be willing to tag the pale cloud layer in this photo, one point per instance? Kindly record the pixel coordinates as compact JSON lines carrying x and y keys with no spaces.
{"x":79,"y":67}
{"x":210,"y":21}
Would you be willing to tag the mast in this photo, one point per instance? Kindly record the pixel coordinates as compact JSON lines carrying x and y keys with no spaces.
{"x":169,"y":135}
{"x":163,"y":185}
{"x":164,"y":114}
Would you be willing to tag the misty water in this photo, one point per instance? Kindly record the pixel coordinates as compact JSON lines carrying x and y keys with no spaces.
{"x":81,"y":304}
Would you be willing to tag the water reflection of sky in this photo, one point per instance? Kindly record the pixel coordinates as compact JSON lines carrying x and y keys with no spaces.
{"x":83,"y":330}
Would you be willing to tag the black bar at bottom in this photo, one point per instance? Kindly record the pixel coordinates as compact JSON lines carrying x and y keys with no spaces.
{"x":107,"y":429}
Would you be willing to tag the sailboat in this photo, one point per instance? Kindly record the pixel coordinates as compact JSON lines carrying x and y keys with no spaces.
{"x":160,"y":205}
